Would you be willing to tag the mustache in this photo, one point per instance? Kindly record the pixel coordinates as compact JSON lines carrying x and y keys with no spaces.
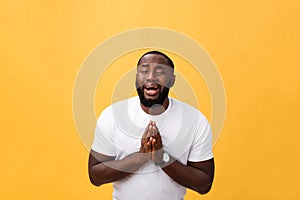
{"x":163,"y":94}
{"x":142,"y":86}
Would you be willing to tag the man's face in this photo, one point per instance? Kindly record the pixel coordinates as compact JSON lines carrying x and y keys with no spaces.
{"x":153,"y":79}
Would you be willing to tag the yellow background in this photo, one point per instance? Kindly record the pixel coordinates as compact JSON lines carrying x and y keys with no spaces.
{"x":255,"y":45}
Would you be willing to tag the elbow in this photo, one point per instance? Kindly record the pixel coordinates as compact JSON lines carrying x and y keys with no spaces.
{"x":94,"y":182}
{"x":203,"y":189}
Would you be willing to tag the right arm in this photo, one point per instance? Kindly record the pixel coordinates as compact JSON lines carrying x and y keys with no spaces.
{"x":105,"y":169}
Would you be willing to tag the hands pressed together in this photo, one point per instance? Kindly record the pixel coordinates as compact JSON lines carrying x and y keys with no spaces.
{"x":197,"y":176}
{"x":151,"y":143}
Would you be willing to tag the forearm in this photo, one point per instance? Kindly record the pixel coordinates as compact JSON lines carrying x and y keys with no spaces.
{"x":115,"y":170}
{"x":188,"y":176}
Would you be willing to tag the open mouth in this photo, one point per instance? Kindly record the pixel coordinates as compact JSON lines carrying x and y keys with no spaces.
{"x":151,"y":90}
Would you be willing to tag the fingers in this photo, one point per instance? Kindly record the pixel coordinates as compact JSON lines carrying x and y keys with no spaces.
{"x":146,"y":132}
{"x":151,"y":143}
{"x":152,"y":127}
{"x":151,"y":135}
{"x":156,"y":142}
{"x":155,"y":130}
{"x":151,"y":130}
{"x":156,"y":153}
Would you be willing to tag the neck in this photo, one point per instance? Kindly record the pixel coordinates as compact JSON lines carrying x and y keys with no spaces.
{"x":156,"y":109}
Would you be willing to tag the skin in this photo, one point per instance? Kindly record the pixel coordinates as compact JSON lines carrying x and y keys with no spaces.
{"x":197,"y":176}
{"x":154,"y":70}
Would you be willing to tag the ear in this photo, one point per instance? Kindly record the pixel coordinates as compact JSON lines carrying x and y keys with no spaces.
{"x":172,"y":80}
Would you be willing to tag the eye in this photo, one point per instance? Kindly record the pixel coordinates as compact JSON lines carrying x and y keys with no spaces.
{"x":159,"y":72}
{"x":143,"y":71}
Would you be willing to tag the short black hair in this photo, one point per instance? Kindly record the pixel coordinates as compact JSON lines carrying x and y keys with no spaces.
{"x":170,"y":62}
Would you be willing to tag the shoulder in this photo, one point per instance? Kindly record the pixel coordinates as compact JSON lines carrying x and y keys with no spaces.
{"x":118,"y":107}
{"x":186,"y":109}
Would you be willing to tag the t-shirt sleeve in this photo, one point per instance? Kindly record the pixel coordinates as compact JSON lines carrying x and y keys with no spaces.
{"x":103,"y":136}
{"x":201,"y":148}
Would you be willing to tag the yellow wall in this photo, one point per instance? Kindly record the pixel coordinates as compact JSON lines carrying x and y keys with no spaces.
{"x":255,"y":45}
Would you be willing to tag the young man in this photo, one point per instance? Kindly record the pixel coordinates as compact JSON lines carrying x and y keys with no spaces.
{"x":152,"y":146}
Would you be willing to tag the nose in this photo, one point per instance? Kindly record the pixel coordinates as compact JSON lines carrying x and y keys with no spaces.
{"x":151,"y":76}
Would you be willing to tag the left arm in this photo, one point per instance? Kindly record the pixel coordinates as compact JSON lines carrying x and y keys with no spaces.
{"x":197,"y":176}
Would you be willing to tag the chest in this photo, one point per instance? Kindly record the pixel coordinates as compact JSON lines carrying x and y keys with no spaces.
{"x":177,"y":137}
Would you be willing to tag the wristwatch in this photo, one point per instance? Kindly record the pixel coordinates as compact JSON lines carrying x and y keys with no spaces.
{"x":165,"y":159}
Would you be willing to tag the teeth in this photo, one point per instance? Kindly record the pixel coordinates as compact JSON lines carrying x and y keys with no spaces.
{"x":151,"y":88}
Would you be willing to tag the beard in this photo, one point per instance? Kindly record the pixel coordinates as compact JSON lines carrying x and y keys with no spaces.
{"x":151,"y":102}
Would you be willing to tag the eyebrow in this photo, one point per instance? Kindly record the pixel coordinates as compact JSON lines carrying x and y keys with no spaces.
{"x":157,"y":67}
{"x":147,"y":65}
{"x":144,"y":65}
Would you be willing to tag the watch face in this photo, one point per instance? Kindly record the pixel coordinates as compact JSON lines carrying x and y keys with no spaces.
{"x":166,"y":157}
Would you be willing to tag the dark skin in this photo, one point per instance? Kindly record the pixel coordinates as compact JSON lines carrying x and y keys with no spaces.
{"x":197,"y":176}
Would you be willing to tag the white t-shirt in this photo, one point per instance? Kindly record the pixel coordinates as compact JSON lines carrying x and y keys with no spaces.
{"x":186,"y":136}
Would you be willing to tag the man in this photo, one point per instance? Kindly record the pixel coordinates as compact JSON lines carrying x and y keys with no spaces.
{"x":152,"y":146}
